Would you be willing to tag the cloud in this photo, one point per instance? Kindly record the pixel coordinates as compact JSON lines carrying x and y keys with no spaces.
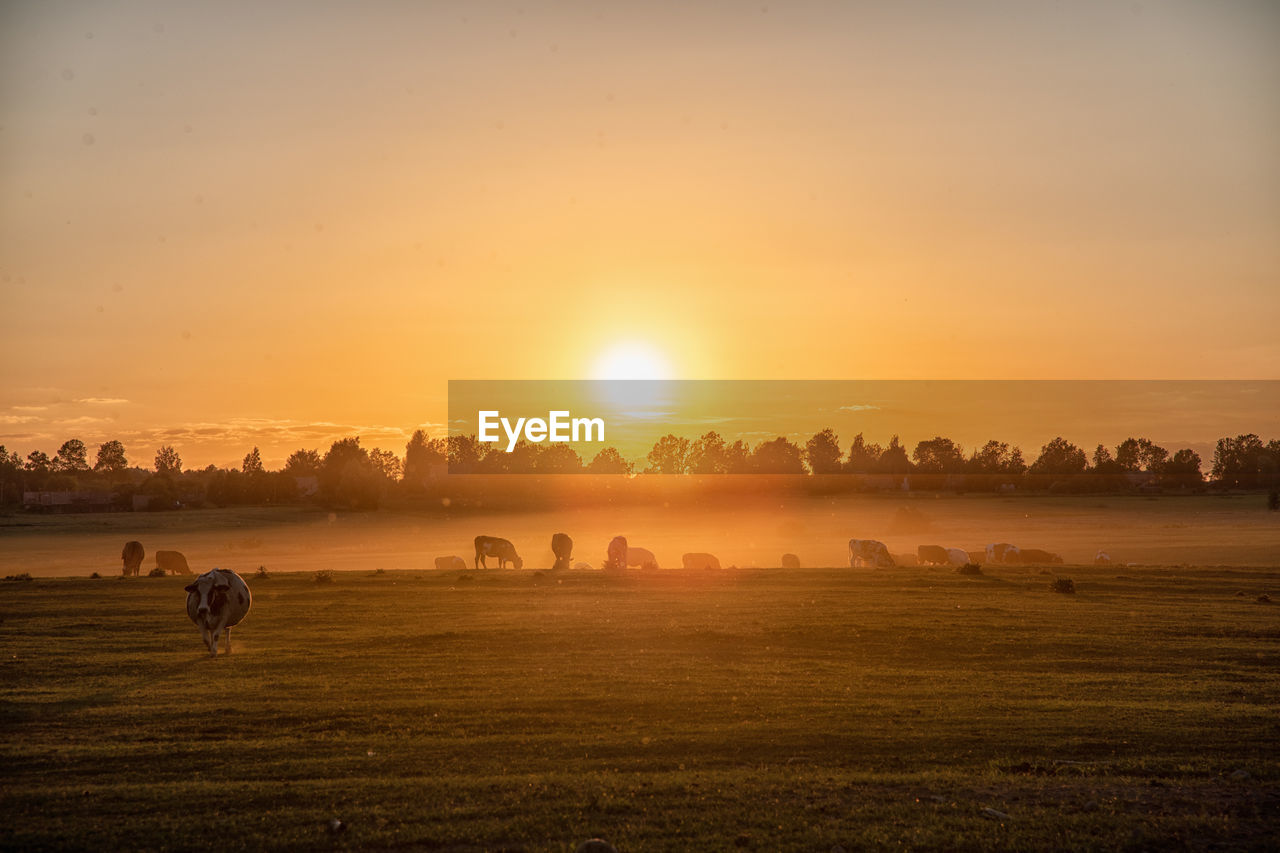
{"x":83,"y":419}
{"x":29,"y":408}
{"x":17,"y":419}
{"x":859,"y":407}
{"x":101,"y":401}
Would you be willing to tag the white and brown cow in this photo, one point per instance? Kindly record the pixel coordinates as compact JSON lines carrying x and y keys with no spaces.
{"x":562,"y":548}
{"x":642,"y":557}
{"x":452,"y":563}
{"x":492,"y":546}
{"x":700,"y":560}
{"x":869,"y":552}
{"x":217,"y":601}
{"x":931,"y":555}
{"x":957,"y":556}
{"x":1002,"y":552}
{"x":616,"y":559}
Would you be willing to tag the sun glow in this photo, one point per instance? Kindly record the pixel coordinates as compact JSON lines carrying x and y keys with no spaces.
{"x":632,"y":360}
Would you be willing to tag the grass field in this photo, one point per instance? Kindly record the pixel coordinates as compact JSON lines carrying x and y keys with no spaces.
{"x":752,"y":709}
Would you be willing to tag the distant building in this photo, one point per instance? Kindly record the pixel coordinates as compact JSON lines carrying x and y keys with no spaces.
{"x":64,"y":502}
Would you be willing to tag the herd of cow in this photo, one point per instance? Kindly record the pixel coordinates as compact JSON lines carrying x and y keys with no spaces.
{"x":219,"y":599}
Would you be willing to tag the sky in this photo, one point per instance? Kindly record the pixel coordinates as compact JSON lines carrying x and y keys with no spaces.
{"x":237,"y":224}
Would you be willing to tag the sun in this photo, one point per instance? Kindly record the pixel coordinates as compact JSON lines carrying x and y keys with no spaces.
{"x":632,"y":360}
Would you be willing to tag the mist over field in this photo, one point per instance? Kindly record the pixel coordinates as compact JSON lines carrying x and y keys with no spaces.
{"x":754,"y":532}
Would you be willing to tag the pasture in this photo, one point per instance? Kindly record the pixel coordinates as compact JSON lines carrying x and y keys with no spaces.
{"x":760,"y":709}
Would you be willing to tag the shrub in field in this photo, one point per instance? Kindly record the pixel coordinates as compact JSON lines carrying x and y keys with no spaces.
{"x":261,"y":574}
{"x":324,"y":576}
{"x":95,"y":576}
{"x":970,"y":569}
{"x":157,"y":572}
{"x":379,"y":571}
{"x":25,"y":576}
{"x":1064,"y":585}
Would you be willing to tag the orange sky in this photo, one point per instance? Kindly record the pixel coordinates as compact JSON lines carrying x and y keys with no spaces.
{"x":228,"y":225}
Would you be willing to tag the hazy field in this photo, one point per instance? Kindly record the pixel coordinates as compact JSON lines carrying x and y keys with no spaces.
{"x":753,"y":708}
{"x":1201,"y":530}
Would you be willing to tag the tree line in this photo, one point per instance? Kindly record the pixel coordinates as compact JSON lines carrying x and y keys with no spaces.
{"x":348,"y":474}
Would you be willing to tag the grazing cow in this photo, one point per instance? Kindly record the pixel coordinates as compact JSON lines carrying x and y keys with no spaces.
{"x":957,"y":556}
{"x":641,"y":557}
{"x":492,"y":546}
{"x":1102,"y":558}
{"x":931,"y":555}
{"x":217,"y":601}
{"x":452,"y":564}
{"x":1002,"y":552}
{"x":562,"y":547}
{"x":790,"y":561}
{"x":617,"y":557}
{"x":132,"y":555}
{"x":172,"y":563}
{"x":869,"y":552}
{"x":1036,"y":556}
{"x":700,"y":560}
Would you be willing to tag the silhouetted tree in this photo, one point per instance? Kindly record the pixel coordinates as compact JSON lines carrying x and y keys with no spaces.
{"x":1140,"y":454}
{"x":939,"y":456}
{"x":168,"y":461}
{"x":252,"y":462}
{"x":996,"y":457}
{"x":1182,"y":470}
{"x":559,"y":459}
{"x":862,"y":457}
{"x":609,"y":461}
{"x":302,"y":463}
{"x":37,"y":462}
{"x":707,"y":455}
{"x":111,"y":457}
{"x":894,"y":459}
{"x":778,"y":456}
{"x":1237,"y":462}
{"x":72,"y":457}
{"x":1060,"y":458}
{"x":348,"y":476}
{"x":464,"y":454}
{"x":669,"y":455}
{"x":423,"y":457}
{"x":385,"y":463}
{"x":823,"y":452}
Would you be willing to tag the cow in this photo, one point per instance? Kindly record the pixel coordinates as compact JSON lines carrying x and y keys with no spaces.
{"x":452,"y":564}
{"x":790,"y":561}
{"x":617,"y":556}
{"x":492,"y":546}
{"x":1002,"y":552}
{"x":172,"y":563}
{"x":931,"y":555}
{"x":869,"y":552}
{"x":957,"y":556}
{"x":699,"y":560}
{"x":641,"y":557}
{"x":132,"y":556}
{"x":562,"y":547}
{"x":1102,"y":558}
{"x":217,"y":601}
{"x":1037,"y":556}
